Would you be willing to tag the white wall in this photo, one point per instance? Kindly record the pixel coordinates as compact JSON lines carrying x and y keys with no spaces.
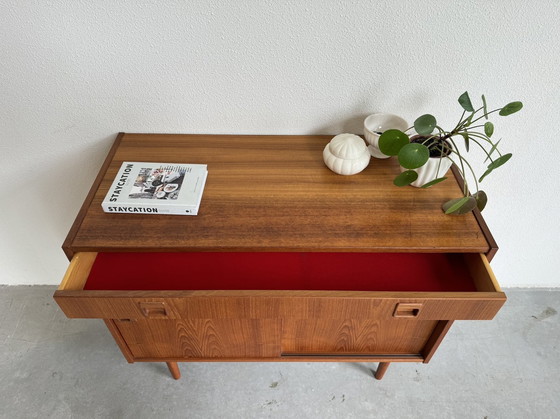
{"x":74,"y":73}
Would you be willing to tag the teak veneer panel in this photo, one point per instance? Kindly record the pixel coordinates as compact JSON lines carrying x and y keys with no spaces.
{"x":202,"y":338}
{"x":352,"y":336}
{"x":274,"y":193}
{"x":273,"y":304}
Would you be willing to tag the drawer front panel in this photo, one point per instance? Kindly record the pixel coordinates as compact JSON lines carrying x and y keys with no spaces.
{"x":353,"y":337}
{"x":294,"y":305}
{"x":276,"y":304}
{"x":201,"y":338}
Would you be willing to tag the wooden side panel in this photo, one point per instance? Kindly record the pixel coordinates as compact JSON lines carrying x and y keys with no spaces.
{"x":320,"y":336}
{"x":481,"y":272}
{"x":202,"y":338}
{"x":77,"y":273}
{"x":435,"y":339}
{"x":111,"y":325}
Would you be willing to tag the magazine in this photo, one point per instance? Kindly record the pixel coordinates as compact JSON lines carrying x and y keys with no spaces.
{"x":156,"y":188}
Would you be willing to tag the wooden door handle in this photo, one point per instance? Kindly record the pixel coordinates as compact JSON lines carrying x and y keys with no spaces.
{"x":407,"y":309}
{"x":156,"y":309}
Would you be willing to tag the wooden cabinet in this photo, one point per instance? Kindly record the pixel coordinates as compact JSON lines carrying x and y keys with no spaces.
{"x":286,"y":260}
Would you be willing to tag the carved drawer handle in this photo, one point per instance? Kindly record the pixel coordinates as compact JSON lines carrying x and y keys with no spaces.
{"x":153,"y":309}
{"x":407,"y":309}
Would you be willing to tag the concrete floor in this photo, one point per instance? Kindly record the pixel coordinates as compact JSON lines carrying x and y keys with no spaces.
{"x":53,"y":367}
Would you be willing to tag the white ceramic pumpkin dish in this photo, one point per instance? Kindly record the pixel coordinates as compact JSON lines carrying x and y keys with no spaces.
{"x":346,"y":154}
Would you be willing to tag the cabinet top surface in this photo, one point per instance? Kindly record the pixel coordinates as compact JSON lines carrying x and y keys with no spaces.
{"x":274,"y":193}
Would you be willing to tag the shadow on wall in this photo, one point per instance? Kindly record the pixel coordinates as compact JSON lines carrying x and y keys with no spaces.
{"x":75,"y":170}
{"x":38,"y":216}
{"x":352,"y":125}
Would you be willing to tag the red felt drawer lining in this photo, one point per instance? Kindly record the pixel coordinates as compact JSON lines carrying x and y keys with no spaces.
{"x":280,"y":271}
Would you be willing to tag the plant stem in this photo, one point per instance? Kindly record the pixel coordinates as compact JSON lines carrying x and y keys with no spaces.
{"x":486,"y":115}
{"x":476,"y":126}
{"x":477,"y":135}
{"x":480,"y":145}
{"x":460,"y":120}
{"x":462,"y":123}
{"x":466,"y":190}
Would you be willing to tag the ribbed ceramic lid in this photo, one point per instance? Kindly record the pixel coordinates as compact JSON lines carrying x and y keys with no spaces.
{"x":347,"y":146}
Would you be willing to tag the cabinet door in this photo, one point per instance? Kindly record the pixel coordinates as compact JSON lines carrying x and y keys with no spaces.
{"x":355,"y":337}
{"x":201,"y":338}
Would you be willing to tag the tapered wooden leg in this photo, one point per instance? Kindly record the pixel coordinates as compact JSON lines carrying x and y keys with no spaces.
{"x":174,"y":370}
{"x":381,"y":369}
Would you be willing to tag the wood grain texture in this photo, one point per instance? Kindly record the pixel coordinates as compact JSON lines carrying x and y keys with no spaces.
{"x":274,"y":193}
{"x":202,"y":338}
{"x":351,"y":336}
{"x":297,"y":304}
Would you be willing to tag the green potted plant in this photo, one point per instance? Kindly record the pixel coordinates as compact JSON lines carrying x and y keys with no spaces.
{"x":426,"y":156}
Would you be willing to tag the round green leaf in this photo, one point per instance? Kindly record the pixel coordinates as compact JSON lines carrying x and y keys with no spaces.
{"x":425,"y":124}
{"x":511,"y":108}
{"x":413,"y":155}
{"x":433,"y":182}
{"x":481,"y":199}
{"x":465,"y":102}
{"x":459,"y":206}
{"x":405,"y":178}
{"x":391,"y":142}
{"x":489,"y":128}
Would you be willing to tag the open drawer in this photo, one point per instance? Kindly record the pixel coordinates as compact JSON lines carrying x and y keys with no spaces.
{"x":291,"y":285}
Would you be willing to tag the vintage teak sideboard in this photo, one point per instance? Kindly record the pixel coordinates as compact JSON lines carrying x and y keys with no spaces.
{"x":285,"y":261}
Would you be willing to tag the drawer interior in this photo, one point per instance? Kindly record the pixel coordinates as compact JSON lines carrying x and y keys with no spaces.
{"x":423,"y":272}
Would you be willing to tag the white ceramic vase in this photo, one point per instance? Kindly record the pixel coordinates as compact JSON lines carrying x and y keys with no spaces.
{"x":431,"y":170}
{"x":375,"y":125}
{"x":346,"y":154}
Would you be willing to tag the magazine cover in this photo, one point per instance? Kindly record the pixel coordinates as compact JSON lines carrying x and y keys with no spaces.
{"x":156,"y":188}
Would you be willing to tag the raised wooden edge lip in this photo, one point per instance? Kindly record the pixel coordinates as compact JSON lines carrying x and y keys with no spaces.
{"x":260,"y":249}
{"x":492,"y":245}
{"x":205,"y":134}
{"x":67,"y":246}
